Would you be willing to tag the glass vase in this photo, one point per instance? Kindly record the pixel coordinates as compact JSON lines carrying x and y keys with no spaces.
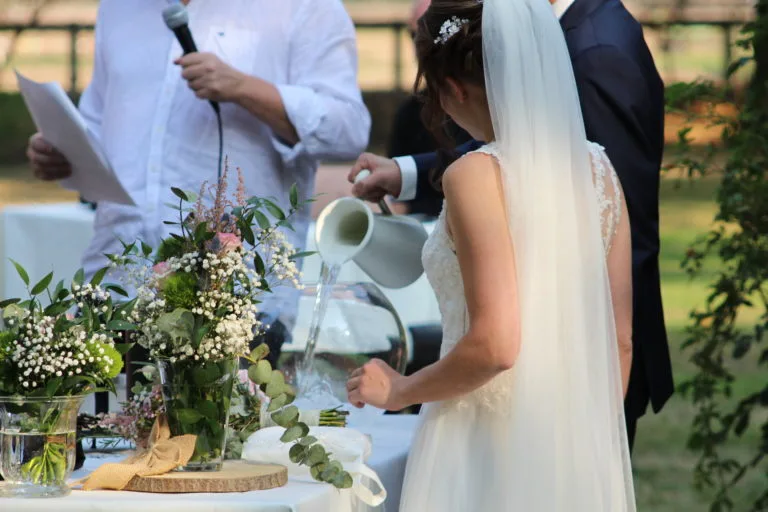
{"x":37,"y":445}
{"x":360,"y":324}
{"x":197,"y":397}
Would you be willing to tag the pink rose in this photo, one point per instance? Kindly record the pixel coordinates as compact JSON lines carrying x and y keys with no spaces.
{"x":228,"y":242}
{"x":161,"y":268}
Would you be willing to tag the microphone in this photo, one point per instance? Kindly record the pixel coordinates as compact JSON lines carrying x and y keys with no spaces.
{"x":177,"y":19}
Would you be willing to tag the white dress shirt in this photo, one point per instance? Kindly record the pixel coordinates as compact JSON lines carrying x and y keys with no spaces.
{"x":157,"y":134}
{"x":408,"y":171}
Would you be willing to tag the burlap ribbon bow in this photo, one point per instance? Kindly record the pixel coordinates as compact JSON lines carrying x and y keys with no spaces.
{"x":163,"y":455}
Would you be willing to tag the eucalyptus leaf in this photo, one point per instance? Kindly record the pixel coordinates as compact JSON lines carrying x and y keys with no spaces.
{"x":260,"y":373}
{"x":286,"y":417}
{"x":315,"y":454}
{"x":260,"y":352}
{"x":276,"y":384}
{"x":295,"y":432}
{"x":297,"y":453}
{"x":308,"y":440}
{"x":278,"y":402}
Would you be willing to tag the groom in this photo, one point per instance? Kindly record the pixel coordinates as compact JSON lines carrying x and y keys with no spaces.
{"x":622,"y":99}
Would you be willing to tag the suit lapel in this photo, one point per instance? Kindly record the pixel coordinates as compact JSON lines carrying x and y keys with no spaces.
{"x":578,"y":12}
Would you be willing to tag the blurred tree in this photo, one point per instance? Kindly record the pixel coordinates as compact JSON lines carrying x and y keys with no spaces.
{"x":34,"y":8}
{"x":733,"y":321}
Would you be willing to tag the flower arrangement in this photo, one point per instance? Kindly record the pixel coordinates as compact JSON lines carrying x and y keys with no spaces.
{"x":50,"y":359}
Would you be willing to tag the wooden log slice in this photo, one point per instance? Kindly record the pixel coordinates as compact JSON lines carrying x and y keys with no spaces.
{"x":235,"y":476}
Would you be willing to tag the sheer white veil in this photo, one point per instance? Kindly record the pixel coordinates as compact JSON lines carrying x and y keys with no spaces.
{"x":568,"y":420}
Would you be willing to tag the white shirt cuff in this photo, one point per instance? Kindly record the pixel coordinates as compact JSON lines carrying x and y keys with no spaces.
{"x":409,"y":175}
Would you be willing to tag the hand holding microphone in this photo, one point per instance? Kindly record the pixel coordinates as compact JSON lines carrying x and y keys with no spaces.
{"x":206,"y":74}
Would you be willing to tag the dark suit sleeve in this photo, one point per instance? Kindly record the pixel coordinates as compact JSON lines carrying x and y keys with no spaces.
{"x":623,"y":110}
{"x":427,"y":162}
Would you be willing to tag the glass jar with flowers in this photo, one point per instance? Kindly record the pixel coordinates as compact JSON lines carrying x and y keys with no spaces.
{"x":49,"y":360}
{"x":196,"y":303}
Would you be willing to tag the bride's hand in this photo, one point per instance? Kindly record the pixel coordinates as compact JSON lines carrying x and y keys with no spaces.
{"x":377,"y":384}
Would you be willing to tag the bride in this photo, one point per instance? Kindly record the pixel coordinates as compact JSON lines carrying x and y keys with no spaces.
{"x":530,"y":262}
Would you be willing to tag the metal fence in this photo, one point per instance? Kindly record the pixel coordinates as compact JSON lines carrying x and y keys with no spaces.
{"x":652,"y":20}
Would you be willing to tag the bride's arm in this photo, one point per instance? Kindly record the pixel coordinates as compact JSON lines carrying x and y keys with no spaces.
{"x":620,"y":276}
{"x":478,"y":224}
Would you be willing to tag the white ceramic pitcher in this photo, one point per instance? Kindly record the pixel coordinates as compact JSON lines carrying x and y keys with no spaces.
{"x":387,"y":247}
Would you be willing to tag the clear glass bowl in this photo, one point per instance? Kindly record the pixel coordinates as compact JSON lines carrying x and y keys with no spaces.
{"x":360,"y":324}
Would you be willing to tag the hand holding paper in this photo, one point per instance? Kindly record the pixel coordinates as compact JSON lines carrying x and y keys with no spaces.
{"x":61,"y":125}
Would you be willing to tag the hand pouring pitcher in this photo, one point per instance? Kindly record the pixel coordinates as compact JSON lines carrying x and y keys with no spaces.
{"x":386,"y":247}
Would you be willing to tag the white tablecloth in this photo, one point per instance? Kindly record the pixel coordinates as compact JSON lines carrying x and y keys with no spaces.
{"x":53,"y":237}
{"x":392,"y":436}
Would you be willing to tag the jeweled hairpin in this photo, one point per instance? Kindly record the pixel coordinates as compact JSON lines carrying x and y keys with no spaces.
{"x":449,"y":28}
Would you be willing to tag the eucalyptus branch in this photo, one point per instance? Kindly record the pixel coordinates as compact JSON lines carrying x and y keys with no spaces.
{"x":306,"y":449}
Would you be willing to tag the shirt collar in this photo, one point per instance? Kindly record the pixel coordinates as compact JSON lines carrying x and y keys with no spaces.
{"x":560,"y":6}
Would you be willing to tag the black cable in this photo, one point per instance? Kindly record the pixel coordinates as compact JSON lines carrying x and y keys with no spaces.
{"x":221,"y":142}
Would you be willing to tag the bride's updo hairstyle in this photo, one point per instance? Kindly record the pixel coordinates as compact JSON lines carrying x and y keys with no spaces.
{"x":456,"y":52}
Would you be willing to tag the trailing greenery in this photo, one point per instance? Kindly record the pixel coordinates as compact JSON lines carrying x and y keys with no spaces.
{"x":734,"y":318}
{"x":306,"y":450}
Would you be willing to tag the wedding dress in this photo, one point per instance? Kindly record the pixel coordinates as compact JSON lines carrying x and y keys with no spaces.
{"x":549,"y":434}
{"x":460,"y":459}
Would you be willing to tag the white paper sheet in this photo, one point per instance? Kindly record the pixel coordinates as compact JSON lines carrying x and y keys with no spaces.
{"x":61,"y":124}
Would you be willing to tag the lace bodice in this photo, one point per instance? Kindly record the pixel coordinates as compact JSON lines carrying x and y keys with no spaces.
{"x":442,"y":268}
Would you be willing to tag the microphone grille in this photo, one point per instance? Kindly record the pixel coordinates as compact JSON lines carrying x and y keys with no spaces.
{"x":175,"y":16}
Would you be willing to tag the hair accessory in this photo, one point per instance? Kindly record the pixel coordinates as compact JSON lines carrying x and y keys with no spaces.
{"x":449,"y":28}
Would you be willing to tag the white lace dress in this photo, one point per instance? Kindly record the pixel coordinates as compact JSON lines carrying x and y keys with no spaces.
{"x":456,"y":462}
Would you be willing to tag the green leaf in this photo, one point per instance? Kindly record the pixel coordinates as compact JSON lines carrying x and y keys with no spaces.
{"x":318,"y":470}
{"x":52,"y":386}
{"x":261,"y":372}
{"x":200,"y":232}
{"x":247,"y":233}
{"x":188,"y":416}
{"x":294,"y":432}
{"x":79,"y":277}
{"x":179,"y":193}
{"x":278,"y":402}
{"x":208,"y":409}
{"x":343,"y":481}
{"x":120,"y":325}
{"x":8,"y":302}
{"x":178,"y":324}
{"x":42,"y":285}
{"x":260,"y":352}
{"x":22,"y":273}
{"x":274,"y":210}
{"x":146,"y":250}
{"x":205,"y":375}
{"x":297,"y":454}
{"x":308,"y":440}
{"x":286,"y":417}
{"x":315,"y":455}
{"x":302,"y":254}
{"x":258,"y":264}
{"x":117,"y":289}
{"x":276,"y":384}
{"x":294,"y":196}
{"x":262,"y":220}
{"x":98,"y":277}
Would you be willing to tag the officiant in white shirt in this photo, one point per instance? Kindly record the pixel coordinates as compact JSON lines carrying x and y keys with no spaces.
{"x":285,"y":74}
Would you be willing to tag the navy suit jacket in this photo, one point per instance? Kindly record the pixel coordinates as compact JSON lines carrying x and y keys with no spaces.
{"x":622,"y":100}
